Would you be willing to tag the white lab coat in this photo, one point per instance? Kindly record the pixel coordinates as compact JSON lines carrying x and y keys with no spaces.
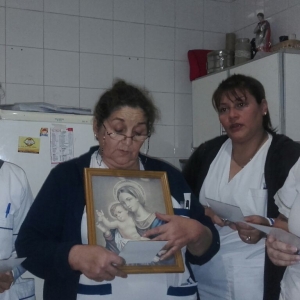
{"x":15,"y":201}
{"x":237,"y":270}
{"x":288,"y":202}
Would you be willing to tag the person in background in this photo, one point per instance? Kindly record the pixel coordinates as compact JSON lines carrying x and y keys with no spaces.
{"x":54,"y":234}
{"x":282,"y":254}
{"x":244,"y":168}
{"x":15,"y":200}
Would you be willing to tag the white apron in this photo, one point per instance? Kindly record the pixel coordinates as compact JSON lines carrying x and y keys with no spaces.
{"x":237,"y":270}
{"x":288,"y":201}
{"x":138,"y":286}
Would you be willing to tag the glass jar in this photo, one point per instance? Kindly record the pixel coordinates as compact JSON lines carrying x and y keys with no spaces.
{"x":219,"y":60}
{"x":242,"y":51}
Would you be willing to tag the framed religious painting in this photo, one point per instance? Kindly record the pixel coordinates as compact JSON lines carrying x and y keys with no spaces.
{"x":121,"y":206}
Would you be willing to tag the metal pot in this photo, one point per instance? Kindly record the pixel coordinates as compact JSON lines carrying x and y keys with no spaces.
{"x":219,"y":60}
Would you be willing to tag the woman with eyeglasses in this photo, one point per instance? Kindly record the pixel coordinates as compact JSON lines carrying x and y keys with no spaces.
{"x":53,"y":236}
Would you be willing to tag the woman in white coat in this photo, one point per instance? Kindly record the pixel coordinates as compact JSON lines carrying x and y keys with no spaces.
{"x":281,"y":254}
{"x":15,"y":200}
{"x":244,"y":168}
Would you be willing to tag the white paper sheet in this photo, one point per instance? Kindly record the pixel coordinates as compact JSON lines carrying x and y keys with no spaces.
{"x":265,"y":229}
{"x":286,"y":237}
{"x":279,"y":234}
{"x":141,"y":252}
{"x":226,"y":211}
{"x":10,"y":263}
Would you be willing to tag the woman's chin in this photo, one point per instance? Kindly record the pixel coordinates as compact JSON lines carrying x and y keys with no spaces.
{"x":121,"y":160}
{"x":124,"y":163}
{"x":237,"y":136}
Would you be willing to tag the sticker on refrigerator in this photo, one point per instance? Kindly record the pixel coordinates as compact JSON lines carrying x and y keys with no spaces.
{"x":44,"y":131}
{"x":62,"y":144}
{"x":29,"y":144}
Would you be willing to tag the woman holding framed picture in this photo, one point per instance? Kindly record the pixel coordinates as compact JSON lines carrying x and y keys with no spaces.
{"x":54,"y":234}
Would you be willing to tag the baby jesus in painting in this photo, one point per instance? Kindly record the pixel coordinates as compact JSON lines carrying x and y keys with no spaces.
{"x":124,"y":223}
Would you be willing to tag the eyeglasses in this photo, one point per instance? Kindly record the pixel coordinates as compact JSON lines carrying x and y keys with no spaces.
{"x":122,"y":137}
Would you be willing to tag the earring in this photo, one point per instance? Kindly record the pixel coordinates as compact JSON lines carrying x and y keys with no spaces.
{"x":265,"y":113}
{"x":95,"y":135}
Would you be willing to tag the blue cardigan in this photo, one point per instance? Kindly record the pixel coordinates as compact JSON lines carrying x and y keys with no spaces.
{"x":53,"y":224}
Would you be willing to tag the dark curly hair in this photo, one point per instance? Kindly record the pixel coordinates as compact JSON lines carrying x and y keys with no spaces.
{"x":123,"y":94}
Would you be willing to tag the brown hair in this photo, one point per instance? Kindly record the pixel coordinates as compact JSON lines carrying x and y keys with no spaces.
{"x":242,"y":83}
{"x":123,"y":94}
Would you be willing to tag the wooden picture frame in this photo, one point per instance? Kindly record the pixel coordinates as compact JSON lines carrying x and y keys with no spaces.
{"x":121,"y":206}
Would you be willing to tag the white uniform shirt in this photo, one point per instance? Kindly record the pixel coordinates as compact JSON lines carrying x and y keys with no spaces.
{"x":15,"y":201}
{"x":236,"y":271}
{"x":288,"y":202}
{"x":136,"y":286}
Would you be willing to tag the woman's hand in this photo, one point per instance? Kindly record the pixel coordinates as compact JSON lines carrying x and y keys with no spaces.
{"x":6,"y":279}
{"x":180,"y":232}
{"x":249,"y":234}
{"x":96,"y":262}
{"x":214,"y":217}
{"x":281,"y":254}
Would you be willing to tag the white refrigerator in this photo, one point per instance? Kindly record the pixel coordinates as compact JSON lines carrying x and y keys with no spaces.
{"x":39,"y":141}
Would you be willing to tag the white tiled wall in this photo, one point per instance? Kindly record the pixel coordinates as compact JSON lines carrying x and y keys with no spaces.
{"x":61,"y":32}
{"x":24,"y":65}
{"x":70,"y":51}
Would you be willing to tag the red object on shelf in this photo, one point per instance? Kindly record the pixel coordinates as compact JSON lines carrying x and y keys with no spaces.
{"x":197,"y":59}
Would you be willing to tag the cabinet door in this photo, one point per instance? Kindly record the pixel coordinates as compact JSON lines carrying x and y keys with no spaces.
{"x":292,"y":95}
{"x":268,"y":71}
{"x":206,"y":123}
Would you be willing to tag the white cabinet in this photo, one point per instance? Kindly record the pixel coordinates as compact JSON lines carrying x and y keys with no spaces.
{"x":291,"y":104}
{"x":205,"y":119}
{"x":280,"y":75}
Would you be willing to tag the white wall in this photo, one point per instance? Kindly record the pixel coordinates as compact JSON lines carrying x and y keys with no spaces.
{"x":68,"y":51}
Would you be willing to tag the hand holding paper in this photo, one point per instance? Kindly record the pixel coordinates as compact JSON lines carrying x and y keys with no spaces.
{"x":6,"y":280}
{"x":286,"y":237}
{"x":248,"y":233}
{"x":226,"y":211}
{"x":232,"y":216}
{"x":279,"y":234}
{"x":10,"y":263}
{"x":281,"y":254}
